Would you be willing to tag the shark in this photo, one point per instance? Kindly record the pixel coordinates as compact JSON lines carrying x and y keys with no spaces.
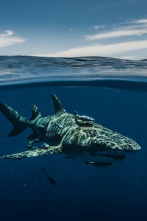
{"x":76,"y":136}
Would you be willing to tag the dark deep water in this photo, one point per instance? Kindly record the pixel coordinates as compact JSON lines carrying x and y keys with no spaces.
{"x":82,"y":192}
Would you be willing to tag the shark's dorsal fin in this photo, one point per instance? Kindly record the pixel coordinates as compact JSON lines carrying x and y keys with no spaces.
{"x":58,"y":108}
{"x":35,"y":112}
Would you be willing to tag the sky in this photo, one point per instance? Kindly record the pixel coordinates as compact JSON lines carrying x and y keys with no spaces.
{"x":73,"y":28}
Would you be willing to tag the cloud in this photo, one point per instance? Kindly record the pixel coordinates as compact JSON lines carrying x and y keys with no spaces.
{"x":100,"y":49}
{"x":96,"y":27}
{"x":135,"y":28}
{"x":123,"y":48}
{"x":71,"y":29}
{"x":115,"y":34}
{"x":140,"y":21}
{"x":9,"y":38}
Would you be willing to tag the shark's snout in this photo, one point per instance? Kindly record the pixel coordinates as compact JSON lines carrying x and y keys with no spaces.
{"x":114,"y":142}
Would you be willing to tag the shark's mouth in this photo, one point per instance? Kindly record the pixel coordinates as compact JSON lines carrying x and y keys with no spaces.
{"x":112,"y":155}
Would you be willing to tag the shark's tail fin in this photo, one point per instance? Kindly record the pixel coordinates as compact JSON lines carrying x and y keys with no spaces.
{"x":19,"y":122}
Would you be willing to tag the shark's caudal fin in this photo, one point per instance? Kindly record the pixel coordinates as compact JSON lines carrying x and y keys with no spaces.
{"x":58,"y":108}
{"x":34,"y":153}
{"x":19,"y":122}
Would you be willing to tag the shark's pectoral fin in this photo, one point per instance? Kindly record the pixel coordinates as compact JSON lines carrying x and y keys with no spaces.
{"x":34,"y":153}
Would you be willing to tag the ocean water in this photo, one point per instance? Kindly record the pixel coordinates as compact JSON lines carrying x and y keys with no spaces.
{"x":112,"y":91}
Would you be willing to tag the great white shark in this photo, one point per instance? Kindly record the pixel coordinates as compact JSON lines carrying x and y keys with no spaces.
{"x":79,"y":137}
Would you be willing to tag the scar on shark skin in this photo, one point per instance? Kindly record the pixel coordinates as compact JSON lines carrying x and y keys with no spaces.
{"x":78,"y":137}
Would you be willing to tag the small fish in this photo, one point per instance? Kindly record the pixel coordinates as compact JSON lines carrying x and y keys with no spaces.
{"x":40,"y":177}
{"x":83,"y":117}
{"x":50,"y":180}
{"x":43,"y":169}
{"x":67,"y":157}
{"x":95,"y":164}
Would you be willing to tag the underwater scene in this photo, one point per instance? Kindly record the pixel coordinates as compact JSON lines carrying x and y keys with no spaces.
{"x":79,"y":173}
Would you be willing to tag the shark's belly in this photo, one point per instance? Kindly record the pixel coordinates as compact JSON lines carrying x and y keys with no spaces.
{"x":99,"y":158}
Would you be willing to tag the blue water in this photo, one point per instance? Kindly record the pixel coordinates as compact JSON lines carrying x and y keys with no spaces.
{"x":82,"y":192}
